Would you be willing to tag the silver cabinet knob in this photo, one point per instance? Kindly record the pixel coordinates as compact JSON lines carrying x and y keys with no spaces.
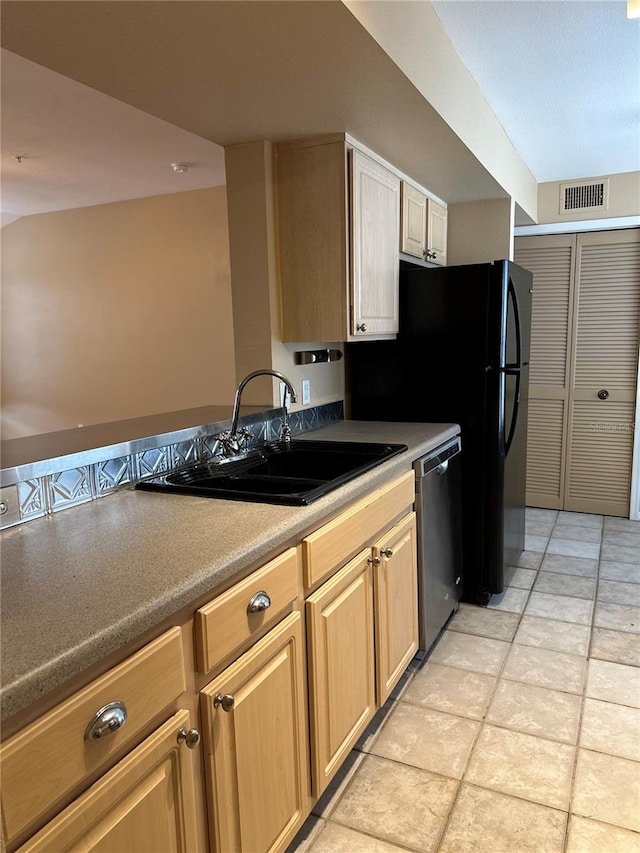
{"x":259,"y":602}
{"x":603,"y":394}
{"x":189,"y":736}
{"x":430,"y":255}
{"x":374,"y":561}
{"x":361,"y":327}
{"x":107,"y":720}
{"x":386,"y":552}
{"x":227,"y":701}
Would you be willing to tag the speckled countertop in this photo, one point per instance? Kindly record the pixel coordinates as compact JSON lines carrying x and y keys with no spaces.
{"x":78,"y":585}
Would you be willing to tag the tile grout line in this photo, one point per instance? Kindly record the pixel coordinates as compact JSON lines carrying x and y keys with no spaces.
{"x":574,"y":769}
{"x":482,"y":722}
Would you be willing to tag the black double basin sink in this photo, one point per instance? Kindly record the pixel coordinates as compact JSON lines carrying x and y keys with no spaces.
{"x":294,"y":473}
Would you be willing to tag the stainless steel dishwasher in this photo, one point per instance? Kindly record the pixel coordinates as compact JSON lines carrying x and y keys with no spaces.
{"x":439,"y":539}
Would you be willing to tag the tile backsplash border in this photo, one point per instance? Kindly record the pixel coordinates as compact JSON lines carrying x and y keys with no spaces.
{"x":59,"y":490}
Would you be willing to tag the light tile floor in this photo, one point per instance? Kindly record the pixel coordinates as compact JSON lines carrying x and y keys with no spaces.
{"x":521,"y":730}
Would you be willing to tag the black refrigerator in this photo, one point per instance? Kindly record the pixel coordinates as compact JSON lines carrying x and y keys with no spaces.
{"x":462,"y":355}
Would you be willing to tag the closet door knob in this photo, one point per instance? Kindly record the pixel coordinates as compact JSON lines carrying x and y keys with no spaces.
{"x":603,"y":394}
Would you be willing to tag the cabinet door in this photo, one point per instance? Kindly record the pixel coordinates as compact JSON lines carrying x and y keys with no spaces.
{"x":255,"y":737}
{"x":341,"y":666}
{"x":375,"y":233}
{"x":437,"y":233}
{"x":413,"y":225}
{"x":145,"y":804}
{"x":395,"y":582}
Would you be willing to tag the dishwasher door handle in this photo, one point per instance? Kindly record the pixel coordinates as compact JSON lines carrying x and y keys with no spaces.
{"x":442,"y":467}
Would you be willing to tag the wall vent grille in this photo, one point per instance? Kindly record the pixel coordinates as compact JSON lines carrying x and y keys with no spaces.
{"x":584,"y":196}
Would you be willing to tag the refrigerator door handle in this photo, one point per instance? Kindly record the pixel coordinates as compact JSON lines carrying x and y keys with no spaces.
{"x":516,"y":318}
{"x":516,"y":406}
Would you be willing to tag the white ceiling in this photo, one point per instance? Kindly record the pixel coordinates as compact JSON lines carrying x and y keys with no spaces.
{"x":81,"y":147}
{"x":562,"y":77}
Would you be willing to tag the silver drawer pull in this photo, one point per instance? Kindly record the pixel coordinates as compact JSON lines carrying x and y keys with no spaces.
{"x":108,"y":720}
{"x":259,"y":602}
{"x":189,"y":736}
{"x":227,"y":702}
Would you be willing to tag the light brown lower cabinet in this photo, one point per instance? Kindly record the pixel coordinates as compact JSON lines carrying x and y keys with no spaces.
{"x":362,"y":631}
{"x":256,"y":745}
{"x":395,"y":585}
{"x":276,"y":723}
{"x":341,"y":666}
{"x":145,"y":804}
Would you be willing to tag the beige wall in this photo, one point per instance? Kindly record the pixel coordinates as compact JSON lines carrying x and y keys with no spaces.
{"x":116,"y":311}
{"x":256,"y":308}
{"x":480,"y":231}
{"x":624,"y":199}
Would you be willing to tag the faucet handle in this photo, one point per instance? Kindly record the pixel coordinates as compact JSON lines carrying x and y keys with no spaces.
{"x":285,"y":434}
{"x":233,"y":444}
{"x":244,"y":437}
{"x":226,"y":443}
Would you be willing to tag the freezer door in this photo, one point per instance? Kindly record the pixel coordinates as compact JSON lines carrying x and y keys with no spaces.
{"x":518,"y":315}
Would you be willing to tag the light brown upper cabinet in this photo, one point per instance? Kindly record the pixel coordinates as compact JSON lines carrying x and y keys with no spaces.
{"x":338,"y":223}
{"x":423,"y":231}
{"x":413,"y":226}
{"x":584,"y":363}
{"x":436,"y":233}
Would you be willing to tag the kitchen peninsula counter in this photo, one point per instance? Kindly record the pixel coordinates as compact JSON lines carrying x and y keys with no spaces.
{"x":81,"y":584}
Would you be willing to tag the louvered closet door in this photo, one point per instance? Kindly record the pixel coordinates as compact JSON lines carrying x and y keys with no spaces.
{"x":605,"y":344}
{"x":551,"y":260}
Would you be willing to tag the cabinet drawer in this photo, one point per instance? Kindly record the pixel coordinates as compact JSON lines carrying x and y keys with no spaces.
{"x":335,"y":542}
{"x":227,"y":622}
{"x":44,"y":762}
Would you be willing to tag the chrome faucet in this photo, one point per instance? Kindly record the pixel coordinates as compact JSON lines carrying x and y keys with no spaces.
{"x":232,"y":441}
